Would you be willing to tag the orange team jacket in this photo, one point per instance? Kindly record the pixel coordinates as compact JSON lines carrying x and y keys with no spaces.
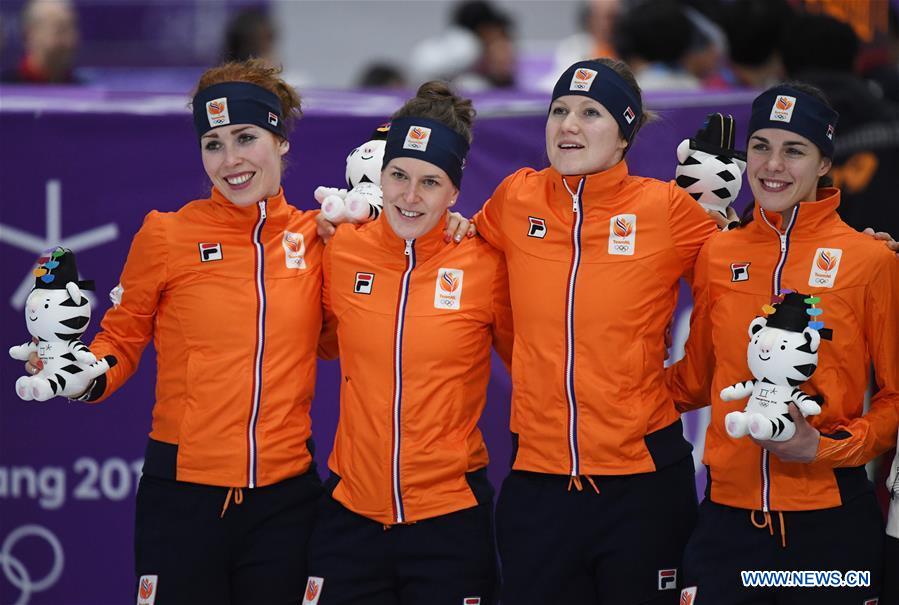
{"x":857,"y":280}
{"x":415,"y":321}
{"x":594,"y":264}
{"x":231,"y":298}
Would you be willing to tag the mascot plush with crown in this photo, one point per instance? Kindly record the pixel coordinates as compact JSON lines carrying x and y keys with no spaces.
{"x":57,"y":313}
{"x":708,"y":166}
{"x":782,"y":354}
{"x":363,"y":201}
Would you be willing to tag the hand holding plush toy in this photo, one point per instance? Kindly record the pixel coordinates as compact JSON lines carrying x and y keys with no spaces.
{"x":708,"y":166}
{"x":57,"y":313}
{"x":364,"y":200}
{"x":782,"y":354}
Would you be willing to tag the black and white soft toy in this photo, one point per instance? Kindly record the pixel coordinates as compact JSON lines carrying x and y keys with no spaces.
{"x":57,"y":313}
{"x":363,"y":201}
{"x":709,"y":167}
{"x":893,"y":491}
{"x":782,"y":354}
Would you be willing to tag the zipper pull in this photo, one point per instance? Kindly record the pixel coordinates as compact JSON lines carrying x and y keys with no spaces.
{"x":574,"y":200}
{"x":783,"y":243}
{"x":409,"y":243}
{"x":262,"y":208}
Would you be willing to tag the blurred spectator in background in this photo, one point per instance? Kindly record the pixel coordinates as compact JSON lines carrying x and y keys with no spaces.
{"x":885,"y":71}
{"x":477,"y":52}
{"x":654,"y":38}
{"x":50,"y":32}
{"x":251,"y":35}
{"x":594,"y":38}
{"x":754,"y":29}
{"x":707,"y":51}
{"x":381,"y":75}
{"x":866,"y":155}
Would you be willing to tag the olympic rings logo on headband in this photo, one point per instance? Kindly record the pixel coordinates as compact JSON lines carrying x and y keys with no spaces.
{"x":16,"y":572}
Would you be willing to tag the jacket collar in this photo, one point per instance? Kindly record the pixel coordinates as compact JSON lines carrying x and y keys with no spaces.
{"x":811,"y":218}
{"x":426,"y":245}
{"x":275,"y":209}
{"x":600,"y":188}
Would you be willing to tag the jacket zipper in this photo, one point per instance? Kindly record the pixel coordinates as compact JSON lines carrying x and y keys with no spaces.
{"x":399,"y":513}
{"x":577,"y":209}
{"x":260,"y":343}
{"x":775,"y":291}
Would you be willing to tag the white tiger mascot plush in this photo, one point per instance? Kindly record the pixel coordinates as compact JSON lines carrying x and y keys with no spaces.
{"x":893,"y":489}
{"x":782,"y":354}
{"x":708,"y":166}
{"x":364,"y":200}
{"x":57,"y":313}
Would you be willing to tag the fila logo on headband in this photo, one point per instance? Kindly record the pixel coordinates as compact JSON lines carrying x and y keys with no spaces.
{"x":417,"y":138}
{"x":629,"y":114}
{"x":217,"y":112}
{"x":582,"y":79}
{"x":782,"y":111}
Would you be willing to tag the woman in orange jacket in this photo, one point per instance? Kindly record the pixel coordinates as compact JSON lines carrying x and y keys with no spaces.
{"x":408,"y":514}
{"x":804,"y":503}
{"x":601,"y":497}
{"x":228,"y":288}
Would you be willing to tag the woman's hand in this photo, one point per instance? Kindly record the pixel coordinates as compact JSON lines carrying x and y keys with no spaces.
{"x":724,"y":222}
{"x":457,"y":227}
{"x":884,"y":237}
{"x":325,"y":228}
{"x":801,"y":447}
{"x":34,"y":363}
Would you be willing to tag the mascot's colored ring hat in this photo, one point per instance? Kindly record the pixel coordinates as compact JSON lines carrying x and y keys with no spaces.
{"x":55,"y":268}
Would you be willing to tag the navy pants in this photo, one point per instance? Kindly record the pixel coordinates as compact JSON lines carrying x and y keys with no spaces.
{"x":447,"y":559}
{"x":845,"y":538}
{"x":187,"y":553}
{"x":621,"y":546}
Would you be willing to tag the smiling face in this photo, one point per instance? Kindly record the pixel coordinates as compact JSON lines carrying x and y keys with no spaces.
{"x":783,"y":168}
{"x":781,"y":356}
{"x":416,"y":196}
{"x":364,"y":163}
{"x":243,"y":161}
{"x":45,"y":310}
{"x":582,"y":137}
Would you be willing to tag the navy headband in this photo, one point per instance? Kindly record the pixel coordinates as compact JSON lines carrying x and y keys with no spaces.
{"x":237,"y":103}
{"x":787,"y":108}
{"x":428,"y":140}
{"x":601,"y":83}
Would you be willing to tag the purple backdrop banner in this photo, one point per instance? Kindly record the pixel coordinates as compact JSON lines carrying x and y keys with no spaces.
{"x":81,"y":169}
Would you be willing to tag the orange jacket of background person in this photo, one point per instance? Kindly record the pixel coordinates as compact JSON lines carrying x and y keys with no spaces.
{"x":857,"y":280}
{"x":594,"y":264}
{"x":415,"y":322}
{"x":231,"y":297}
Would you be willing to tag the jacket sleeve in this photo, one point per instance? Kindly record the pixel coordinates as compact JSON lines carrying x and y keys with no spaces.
{"x":128,"y":326}
{"x":690,"y":227}
{"x":503,"y":333}
{"x":489,"y":219}
{"x":327,"y":342}
{"x":690,"y":379}
{"x":863,"y":439}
